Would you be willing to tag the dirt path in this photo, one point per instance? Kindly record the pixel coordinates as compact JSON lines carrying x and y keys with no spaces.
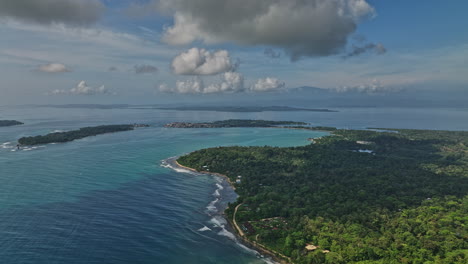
{"x":239,"y":230}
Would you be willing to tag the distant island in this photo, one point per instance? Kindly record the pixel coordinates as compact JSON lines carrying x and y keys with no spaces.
{"x":194,"y":108}
{"x":89,"y":106}
{"x":356,"y":196}
{"x":4,"y":123}
{"x":244,"y":109}
{"x":61,"y":137}
{"x":235,"y":123}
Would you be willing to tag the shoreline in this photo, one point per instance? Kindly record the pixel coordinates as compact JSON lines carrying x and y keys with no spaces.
{"x":206,"y":172}
{"x":275,"y":256}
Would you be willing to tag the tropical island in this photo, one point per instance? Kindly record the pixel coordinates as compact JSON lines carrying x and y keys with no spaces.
{"x":356,"y":196}
{"x":245,"y":109}
{"x":4,"y":123}
{"x":61,"y":137}
{"x":235,"y":123}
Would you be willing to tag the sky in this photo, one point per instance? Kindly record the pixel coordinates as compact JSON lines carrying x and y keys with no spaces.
{"x":164,"y":51}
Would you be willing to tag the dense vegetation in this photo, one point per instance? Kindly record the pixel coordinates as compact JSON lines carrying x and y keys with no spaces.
{"x":60,"y":137}
{"x":9,"y":123}
{"x":235,"y":123}
{"x":405,"y":200}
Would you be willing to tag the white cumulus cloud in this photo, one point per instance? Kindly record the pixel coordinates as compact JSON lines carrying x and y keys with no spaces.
{"x":197,"y":61}
{"x":82,"y":89}
{"x":267,"y":84}
{"x":231,"y":82}
{"x":53,"y":68}
{"x":190,"y":86}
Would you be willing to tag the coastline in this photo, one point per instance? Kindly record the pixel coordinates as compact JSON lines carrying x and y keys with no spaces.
{"x":275,"y":256}
{"x":206,"y":172}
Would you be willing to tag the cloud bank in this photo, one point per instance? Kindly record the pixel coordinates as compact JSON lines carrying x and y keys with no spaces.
{"x":197,"y":61}
{"x":374,"y":87}
{"x":231,"y":82}
{"x":71,"y":12}
{"x":302,"y":28}
{"x":82,"y":89}
{"x":53,"y":68}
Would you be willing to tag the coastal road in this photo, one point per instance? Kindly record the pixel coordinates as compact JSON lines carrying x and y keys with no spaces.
{"x":239,"y":230}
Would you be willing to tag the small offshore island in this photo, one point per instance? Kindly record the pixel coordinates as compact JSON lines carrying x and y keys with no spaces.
{"x":5,"y":123}
{"x":356,"y":196}
{"x":235,"y":123}
{"x":61,"y":137}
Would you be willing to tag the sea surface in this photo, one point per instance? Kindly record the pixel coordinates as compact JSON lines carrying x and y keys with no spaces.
{"x":115,"y":198}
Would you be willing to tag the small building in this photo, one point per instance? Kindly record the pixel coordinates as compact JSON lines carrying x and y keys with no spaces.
{"x":238,"y":181}
{"x":310,"y":247}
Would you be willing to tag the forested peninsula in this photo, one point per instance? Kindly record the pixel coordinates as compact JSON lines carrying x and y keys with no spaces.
{"x":61,"y":137}
{"x":4,"y":123}
{"x":356,"y":196}
{"x":235,"y":123}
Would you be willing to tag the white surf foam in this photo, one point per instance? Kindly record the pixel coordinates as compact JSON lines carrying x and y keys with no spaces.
{"x":211,"y":206}
{"x":7,"y":145}
{"x":204,"y":228}
{"x":181,"y":170}
{"x":228,"y":234}
{"x":168,"y":165}
{"x":269,"y":261}
{"x":218,"y":221}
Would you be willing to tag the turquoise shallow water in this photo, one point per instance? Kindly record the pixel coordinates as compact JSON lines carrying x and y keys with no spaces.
{"x":108,"y":199}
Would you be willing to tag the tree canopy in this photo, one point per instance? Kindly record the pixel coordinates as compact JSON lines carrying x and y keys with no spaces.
{"x":360,"y":196}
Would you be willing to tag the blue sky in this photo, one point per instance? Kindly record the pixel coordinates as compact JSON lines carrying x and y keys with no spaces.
{"x":148,"y":52}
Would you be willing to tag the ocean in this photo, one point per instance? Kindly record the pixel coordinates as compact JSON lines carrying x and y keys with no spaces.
{"x":115,"y":198}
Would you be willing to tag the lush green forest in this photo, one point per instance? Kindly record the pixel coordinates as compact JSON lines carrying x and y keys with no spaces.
{"x":353,"y":197}
{"x":60,"y":137}
{"x":235,"y":123}
{"x":9,"y":123}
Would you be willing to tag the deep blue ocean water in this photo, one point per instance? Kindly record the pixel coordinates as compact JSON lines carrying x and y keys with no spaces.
{"x":115,"y":199}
